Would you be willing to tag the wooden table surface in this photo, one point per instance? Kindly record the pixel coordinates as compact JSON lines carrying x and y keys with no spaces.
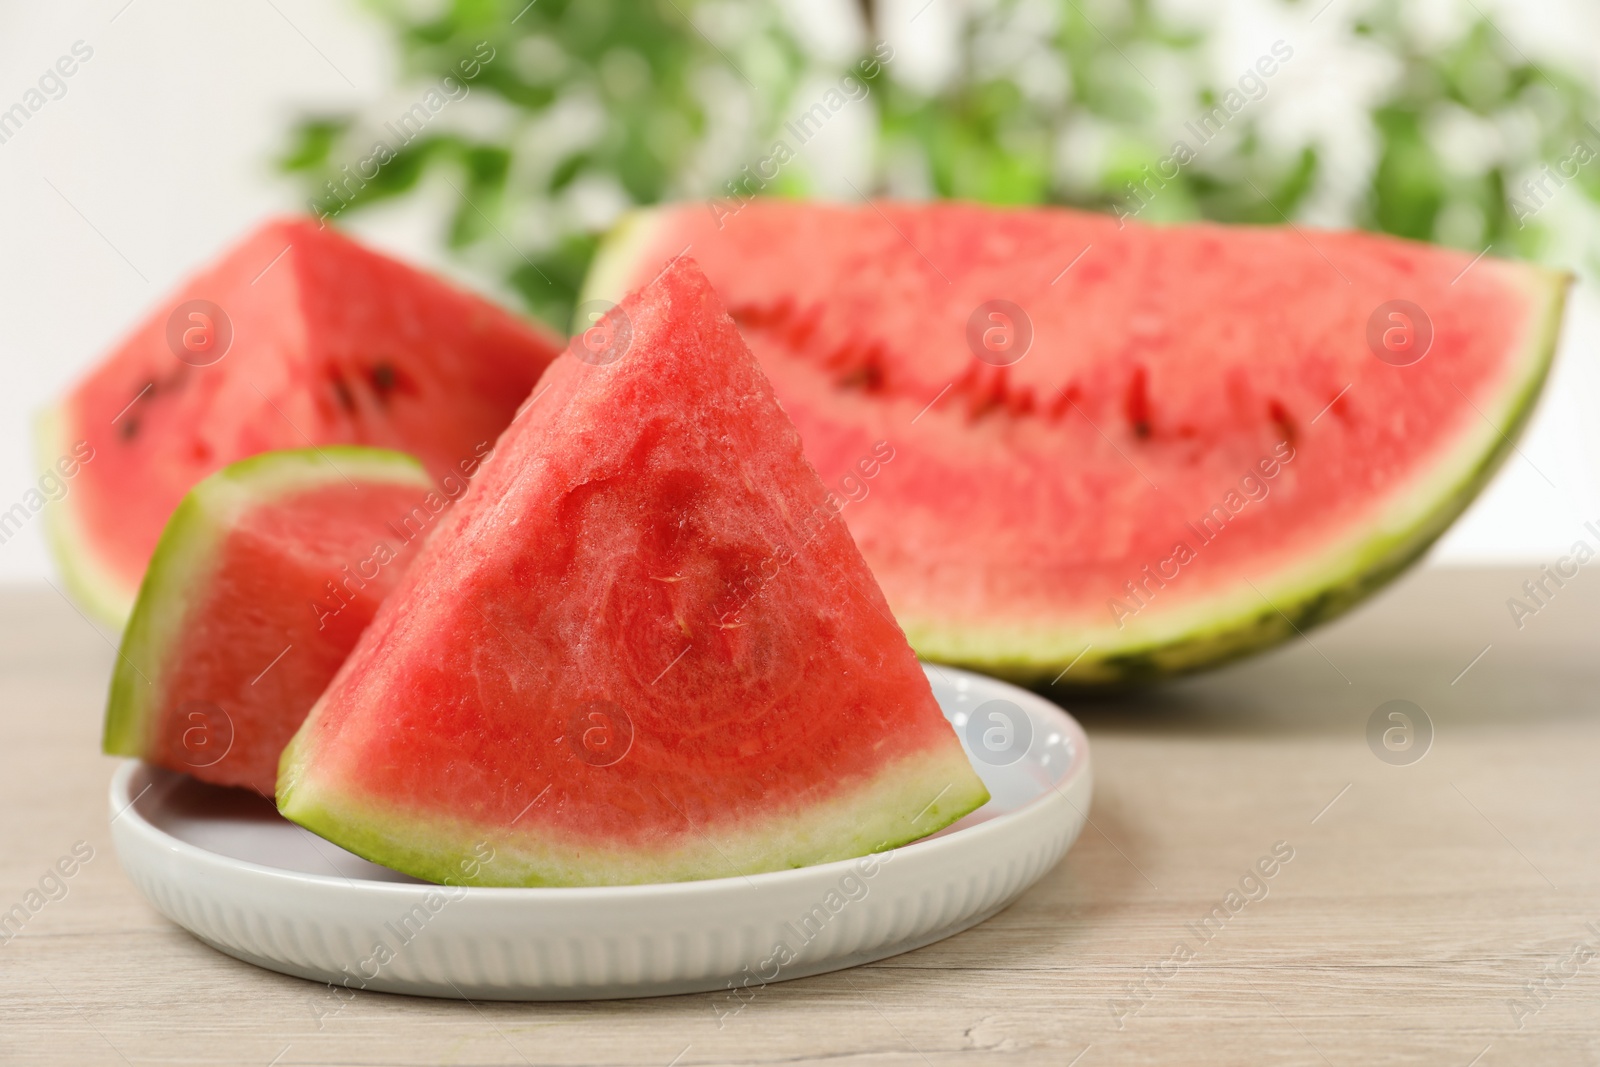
{"x":1436,"y":912}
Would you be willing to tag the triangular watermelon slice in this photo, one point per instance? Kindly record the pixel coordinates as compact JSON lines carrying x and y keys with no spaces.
{"x":260,"y":585}
{"x":297,"y":337}
{"x":1120,"y":451}
{"x":643,"y":647}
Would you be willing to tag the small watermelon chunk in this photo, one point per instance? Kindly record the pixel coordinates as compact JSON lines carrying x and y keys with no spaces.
{"x":1120,"y":451}
{"x":266,"y":575}
{"x":297,"y":337}
{"x":641,"y":648}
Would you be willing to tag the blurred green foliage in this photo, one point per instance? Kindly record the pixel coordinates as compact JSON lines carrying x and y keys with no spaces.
{"x":584,"y":108}
{"x":1478,"y":80}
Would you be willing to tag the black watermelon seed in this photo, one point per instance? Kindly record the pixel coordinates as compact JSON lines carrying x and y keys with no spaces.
{"x":384,"y":379}
{"x":346,"y":399}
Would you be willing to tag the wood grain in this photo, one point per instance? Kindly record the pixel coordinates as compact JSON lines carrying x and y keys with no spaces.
{"x":1419,"y":904}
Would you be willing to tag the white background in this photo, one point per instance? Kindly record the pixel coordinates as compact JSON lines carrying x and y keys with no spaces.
{"x":159,"y":155}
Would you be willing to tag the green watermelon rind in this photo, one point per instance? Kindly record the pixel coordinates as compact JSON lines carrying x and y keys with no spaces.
{"x":906,"y":801}
{"x":187,"y":551}
{"x":90,"y":584}
{"x":1216,"y":630}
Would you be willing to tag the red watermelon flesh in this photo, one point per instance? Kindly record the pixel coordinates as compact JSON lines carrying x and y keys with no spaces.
{"x":641,"y":648}
{"x":265,"y":576}
{"x":1198,"y":452}
{"x":331,"y":343}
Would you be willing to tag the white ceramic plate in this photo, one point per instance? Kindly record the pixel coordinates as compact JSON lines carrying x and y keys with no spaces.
{"x":225,"y":866}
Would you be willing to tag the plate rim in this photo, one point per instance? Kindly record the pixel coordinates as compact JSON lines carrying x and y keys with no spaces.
{"x":124,"y":806}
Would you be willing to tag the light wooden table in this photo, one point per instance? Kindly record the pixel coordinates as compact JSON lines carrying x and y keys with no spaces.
{"x":1421,"y":901}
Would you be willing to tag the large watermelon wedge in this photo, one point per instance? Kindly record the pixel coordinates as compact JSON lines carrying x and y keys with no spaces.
{"x":641,"y":648}
{"x":297,"y":338}
{"x":262,"y":581}
{"x":1126,"y":450}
